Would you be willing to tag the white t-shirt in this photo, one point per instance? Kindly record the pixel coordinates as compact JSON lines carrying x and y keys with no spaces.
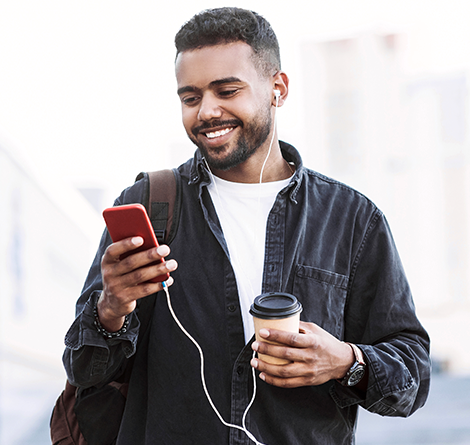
{"x":243,"y":211}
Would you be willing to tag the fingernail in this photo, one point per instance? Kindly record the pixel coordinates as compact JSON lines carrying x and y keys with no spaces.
{"x":262,"y":377}
{"x":255,"y":346}
{"x":171,"y":265}
{"x":254,"y":363}
{"x":163,"y":250}
{"x":264,"y":333}
{"x":137,"y":240}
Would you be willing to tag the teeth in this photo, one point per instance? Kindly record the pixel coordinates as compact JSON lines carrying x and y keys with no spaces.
{"x":216,"y":134}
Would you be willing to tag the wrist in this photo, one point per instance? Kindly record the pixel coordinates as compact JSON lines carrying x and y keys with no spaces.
{"x":109,"y":327}
{"x":357,"y":370}
{"x":347,"y":361}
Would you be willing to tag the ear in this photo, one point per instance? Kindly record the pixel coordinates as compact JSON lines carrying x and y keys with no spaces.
{"x":280,"y":82}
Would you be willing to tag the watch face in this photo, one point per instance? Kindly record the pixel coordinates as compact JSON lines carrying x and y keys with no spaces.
{"x":356,"y":375}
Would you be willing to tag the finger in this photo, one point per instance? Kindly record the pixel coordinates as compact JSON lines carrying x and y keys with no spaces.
{"x":286,"y":370}
{"x":310,"y":328}
{"x":294,"y":382}
{"x":131,"y":285}
{"x":278,"y":351}
{"x":163,"y":250}
{"x":148,"y":288}
{"x":148,"y":273}
{"x":285,"y":376}
{"x":307,"y":328}
{"x":139,"y":260}
{"x":115,"y":250}
{"x":290,"y":375}
{"x":129,"y":295}
{"x":292,"y":339}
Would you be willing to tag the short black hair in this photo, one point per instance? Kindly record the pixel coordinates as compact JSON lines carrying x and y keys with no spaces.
{"x":227,"y":25}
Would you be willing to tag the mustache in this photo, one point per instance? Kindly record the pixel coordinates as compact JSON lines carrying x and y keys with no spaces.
{"x":216,"y":123}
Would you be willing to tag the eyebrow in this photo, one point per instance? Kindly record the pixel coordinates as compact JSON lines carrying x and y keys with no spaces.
{"x":191,"y":88}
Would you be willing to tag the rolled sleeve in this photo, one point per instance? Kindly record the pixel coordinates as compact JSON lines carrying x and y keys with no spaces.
{"x":391,"y":388}
{"x":381,"y":320}
{"x":89,"y":358}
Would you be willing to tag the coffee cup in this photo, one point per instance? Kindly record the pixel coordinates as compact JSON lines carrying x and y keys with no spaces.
{"x":275,"y":310}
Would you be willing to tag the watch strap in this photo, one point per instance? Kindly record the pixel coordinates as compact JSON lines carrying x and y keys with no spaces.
{"x":356,"y":372}
{"x":357,"y":353}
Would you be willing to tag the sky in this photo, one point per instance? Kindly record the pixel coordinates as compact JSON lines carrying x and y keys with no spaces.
{"x":87,"y":89}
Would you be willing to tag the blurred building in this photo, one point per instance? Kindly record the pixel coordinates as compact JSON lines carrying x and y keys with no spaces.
{"x":404,"y":143}
{"x":47,"y":241}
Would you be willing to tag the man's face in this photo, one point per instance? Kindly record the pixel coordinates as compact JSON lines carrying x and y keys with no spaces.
{"x":226,"y":104}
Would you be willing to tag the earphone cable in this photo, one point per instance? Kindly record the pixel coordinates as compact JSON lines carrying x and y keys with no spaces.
{"x":203,"y":379}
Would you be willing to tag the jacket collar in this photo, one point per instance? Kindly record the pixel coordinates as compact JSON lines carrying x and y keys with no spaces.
{"x":200,"y":175}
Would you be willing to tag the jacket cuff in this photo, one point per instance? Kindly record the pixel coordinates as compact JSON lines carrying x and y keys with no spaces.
{"x":83,"y":332}
{"x":390,"y":385}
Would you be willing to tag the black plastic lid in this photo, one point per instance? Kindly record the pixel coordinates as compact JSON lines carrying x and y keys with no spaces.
{"x":275,"y":305}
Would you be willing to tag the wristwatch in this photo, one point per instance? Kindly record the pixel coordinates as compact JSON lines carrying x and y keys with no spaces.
{"x":357,"y":370}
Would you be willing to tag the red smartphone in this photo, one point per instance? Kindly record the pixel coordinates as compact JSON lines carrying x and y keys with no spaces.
{"x":131,"y":220}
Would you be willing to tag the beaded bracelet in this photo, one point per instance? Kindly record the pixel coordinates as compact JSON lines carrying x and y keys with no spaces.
{"x":103,"y":331}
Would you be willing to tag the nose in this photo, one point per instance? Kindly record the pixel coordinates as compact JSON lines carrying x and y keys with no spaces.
{"x":209,"y":108}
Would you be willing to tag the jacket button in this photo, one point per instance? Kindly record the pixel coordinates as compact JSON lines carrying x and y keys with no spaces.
{"x":232,"y":307}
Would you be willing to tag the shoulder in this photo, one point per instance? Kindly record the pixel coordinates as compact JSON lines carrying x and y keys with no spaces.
{"x":333,"y":197}
{"x":319,"y":188}
{"x":330,"y":187}
{"x":134,"y":193}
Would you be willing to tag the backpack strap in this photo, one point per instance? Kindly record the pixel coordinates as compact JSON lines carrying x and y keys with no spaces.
{"x":162,"y":199}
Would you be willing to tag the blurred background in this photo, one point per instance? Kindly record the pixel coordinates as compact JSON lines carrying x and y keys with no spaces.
{"x":378,"y":99}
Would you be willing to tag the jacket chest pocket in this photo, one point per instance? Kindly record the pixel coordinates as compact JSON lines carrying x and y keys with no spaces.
{"x":323,"y":297}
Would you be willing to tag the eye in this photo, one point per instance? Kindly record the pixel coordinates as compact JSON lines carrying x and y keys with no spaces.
{"x":228,"y":92}
{"x":189,"y":100}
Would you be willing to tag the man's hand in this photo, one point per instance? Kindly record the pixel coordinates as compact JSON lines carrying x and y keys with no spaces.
{"x":127,"y":280}
{"x":315,"y":357}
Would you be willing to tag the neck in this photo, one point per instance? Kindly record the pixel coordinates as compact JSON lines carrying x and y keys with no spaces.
{"x":276,"y":168}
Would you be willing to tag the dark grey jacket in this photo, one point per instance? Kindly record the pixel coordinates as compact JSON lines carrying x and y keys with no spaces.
{"x":326,"y":244}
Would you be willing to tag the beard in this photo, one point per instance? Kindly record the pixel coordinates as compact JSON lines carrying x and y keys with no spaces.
{"x":253,"y":134}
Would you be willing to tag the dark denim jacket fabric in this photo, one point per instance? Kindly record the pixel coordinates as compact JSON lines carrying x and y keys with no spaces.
{"x":326,"y":244}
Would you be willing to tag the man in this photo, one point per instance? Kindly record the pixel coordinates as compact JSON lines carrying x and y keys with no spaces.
{"x":253,"y":220}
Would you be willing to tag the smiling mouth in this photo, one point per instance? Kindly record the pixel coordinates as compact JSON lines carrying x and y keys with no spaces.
{"x":218,"y":133}
{"x":216,"y":129}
